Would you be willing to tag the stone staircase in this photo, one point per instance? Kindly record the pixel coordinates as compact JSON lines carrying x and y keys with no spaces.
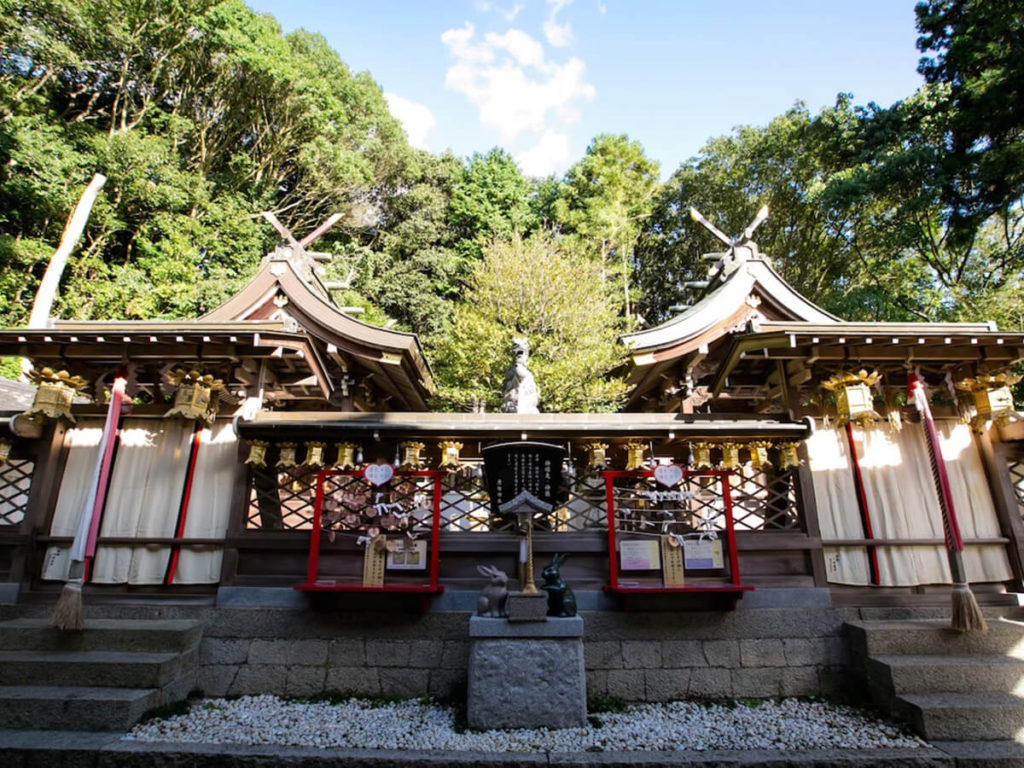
{"x":948,"y":686}
{"x":102,"y":678}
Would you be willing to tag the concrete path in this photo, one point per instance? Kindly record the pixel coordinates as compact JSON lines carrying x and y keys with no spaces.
{"x":28,"y":749}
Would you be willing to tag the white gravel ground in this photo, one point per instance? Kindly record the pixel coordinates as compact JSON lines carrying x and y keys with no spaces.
{"x":788,"y":724}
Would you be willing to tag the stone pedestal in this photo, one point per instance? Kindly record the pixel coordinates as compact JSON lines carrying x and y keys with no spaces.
{"x":526,"y":675}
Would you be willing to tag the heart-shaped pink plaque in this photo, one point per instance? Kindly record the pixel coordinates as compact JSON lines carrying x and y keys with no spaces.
{"x":668,"y":474}
{"x":378,"y":474}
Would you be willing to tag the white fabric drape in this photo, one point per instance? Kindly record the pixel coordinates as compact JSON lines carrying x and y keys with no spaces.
{"x":838,"y":513}
{"x":903,"y":504}
{"x":82,"y":444}
{"x":213,"y":484}
{"x":143,"y":500}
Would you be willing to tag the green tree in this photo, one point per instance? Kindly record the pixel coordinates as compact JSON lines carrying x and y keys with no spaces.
{"x":556,"y":299}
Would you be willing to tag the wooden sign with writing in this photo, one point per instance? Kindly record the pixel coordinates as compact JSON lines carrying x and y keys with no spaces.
{"x":515,"y":468}
{"x":374,"y":562}
{"x":672,"y":562}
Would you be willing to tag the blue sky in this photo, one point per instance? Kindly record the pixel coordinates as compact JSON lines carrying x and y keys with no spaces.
{"x":542,"y":77}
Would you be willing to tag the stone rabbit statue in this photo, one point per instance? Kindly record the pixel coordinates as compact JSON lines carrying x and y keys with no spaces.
{"x":561,"y":600}
{"x":493,"y":598}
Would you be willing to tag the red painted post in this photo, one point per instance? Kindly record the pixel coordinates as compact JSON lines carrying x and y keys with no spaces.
{"x":862,"y":502}
{"x":185,"y":498}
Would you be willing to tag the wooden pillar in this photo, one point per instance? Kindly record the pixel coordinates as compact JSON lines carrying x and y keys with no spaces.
{"x":808,"y":507}
{"x":994,"y":458}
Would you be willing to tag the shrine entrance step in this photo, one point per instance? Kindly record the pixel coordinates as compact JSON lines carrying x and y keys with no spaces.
{"x":104,"y":677}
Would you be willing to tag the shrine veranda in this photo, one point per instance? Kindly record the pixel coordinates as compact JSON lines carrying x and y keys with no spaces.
{"x":275,"y":471}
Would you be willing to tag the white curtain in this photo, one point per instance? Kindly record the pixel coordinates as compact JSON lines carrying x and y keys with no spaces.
{"x":213,"y":483}
{"x":838,"y":513}
{"x":83,"y":445}
{"x":903,"y":504}
{"x":143,"y":500}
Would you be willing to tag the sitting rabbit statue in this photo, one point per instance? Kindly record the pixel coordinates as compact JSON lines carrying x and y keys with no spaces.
{"x":561,"y":600}
{"x":492,"y":599}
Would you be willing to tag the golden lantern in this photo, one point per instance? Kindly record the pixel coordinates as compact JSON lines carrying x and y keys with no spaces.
{"x":993,"y":398}
{"x":56,"y":391}
{"x":449,"y":454}
{"x":193,"y":399}
{"x":635,"y":455}
{"x":854,"y":401}
{"x":411,"y":458}
{"x":788,"y":457}
{"x":287,"y":455}
{"x":701,"y":455}
{"x":597,"y":456}
{"x":759,"y":455}
{"x":257,"y":453}
{"x":730,"y":456}
{"x":314,"y":454}
{"x":5,"y":451}
{"x":346,"y":456}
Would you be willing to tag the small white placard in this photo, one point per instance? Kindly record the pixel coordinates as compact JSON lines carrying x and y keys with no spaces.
{"x":640,"y":555}
{"x":411,"y":556}
{"x":703,"y":553}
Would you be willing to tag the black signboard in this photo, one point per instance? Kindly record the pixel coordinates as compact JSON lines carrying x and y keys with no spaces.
{"x":515,"y":468}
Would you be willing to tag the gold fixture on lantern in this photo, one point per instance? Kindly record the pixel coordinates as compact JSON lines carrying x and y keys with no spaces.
{"x":5,"y":451}
{"x":854,"y":401}
{"x":730,"y":456}
{"x":701,"y":455}
{"x":287,"y":457}
{"x":56,"y":391}
{"x":759,"y":455}
{"x":193,"y":399}
{"x":597,"y":456}
{"x":257,"y":453}
{"x":314,"y":454}
{"x":449,"y":454}
{"x":788,"y":457}
{"x":346,"y":456}
{"x":635,"y":455}
{"x":993,"y":398}
{"x":411,"y":458}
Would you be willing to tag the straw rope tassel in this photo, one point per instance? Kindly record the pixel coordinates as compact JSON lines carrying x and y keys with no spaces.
{"x":966,"y":613}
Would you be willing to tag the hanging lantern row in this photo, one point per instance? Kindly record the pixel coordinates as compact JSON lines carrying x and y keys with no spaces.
{"x":193,"y":398}
{"x":854,"y":400}
{"x":993,"y":398}
{"x":56,"y":391}
{"x":349,"y":456}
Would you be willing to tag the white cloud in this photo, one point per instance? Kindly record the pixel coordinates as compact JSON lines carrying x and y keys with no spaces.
{"x":417,"y":119}
{"x":514,"y":87}
{"x":558,"y":35}
{"x":549,"y":155}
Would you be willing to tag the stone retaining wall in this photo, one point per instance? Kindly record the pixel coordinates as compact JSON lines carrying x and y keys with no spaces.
{"x":632,"y":656}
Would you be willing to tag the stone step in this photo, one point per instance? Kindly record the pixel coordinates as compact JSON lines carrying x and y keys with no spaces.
{"x":934,"y":637}
{"x":963,"y":716}
{"x":116,"y":669}
{"x":102,"y":635}
{"x":938,"y":674}
{"x":74,"y":708}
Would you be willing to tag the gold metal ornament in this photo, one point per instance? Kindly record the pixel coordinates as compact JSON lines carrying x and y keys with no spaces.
{"x":993,"y":398}
{"x":854,"y":401}
{"x":788,"y":457}
{"x":287,"y":455}
{"x":257,"y":453}
{"x":597,"y":456}
{"x":314,"y":454}
{"x":730,"y":456}
{"x":759,"y":459}
{"x":449,"y":454}
{"x":5,"y":451}
{"x":411,"y":458}
{"x":346,"y":456}
{"x":635,"y":455}
{"x":701,"y":455}
{"x":193,"y":399}
{"x":56,"y":391}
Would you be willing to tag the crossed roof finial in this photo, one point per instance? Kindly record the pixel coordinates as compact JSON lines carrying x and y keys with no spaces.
{"x":740,"y":249}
